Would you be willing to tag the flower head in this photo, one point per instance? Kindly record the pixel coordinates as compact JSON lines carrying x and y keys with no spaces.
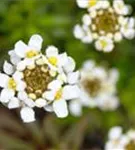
{"x":105,"y":23}
{"x":119,"y":140}
{"x":98,"y":89}
{"x":34,"y":79}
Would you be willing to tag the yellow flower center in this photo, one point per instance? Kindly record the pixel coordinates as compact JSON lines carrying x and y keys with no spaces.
{"x":92,"y":86}
{"x":92,"y":3}
{"x":53,"y":60}
{"x":58,"y":94}
{"x":12,"y":84}
{"x":31,"y":53}
{"x":37,"y":80}
{"x":105,"y":21}
{"x":103,"y":43}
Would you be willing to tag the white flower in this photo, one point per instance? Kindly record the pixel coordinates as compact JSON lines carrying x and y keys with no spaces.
{"x":55,"y":60}
{"x":105,"y":24}
{"x":83,"y":33}
{"x":119,"y":140}
{"x":10,"y":85}
{"x":120,"y":7}
{"x":97,"y":89}
{"x":104,"y":44}
{"x":58,"y":95}
{"x":38,"y":80}
{"x":128,"y":28}
{"x":31,"y":50}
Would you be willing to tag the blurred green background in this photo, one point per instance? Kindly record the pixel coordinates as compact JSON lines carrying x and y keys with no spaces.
{"x":54,"y":20}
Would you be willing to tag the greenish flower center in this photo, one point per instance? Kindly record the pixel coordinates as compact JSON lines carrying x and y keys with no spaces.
{"x":37,"y":80}
{"x":131,"y":146}
{"x":107,"y":22}
{"x":92,"y":86}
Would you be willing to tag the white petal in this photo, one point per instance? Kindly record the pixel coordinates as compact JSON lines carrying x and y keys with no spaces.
{"x":18,"y":75}
{"x":62,"y":59}
{"x":51,"y":51}
{"x":104,"y":4}
{"x":49,"y":108}
{"x":88,"y":65}
{"x":20,"y":86}
{"x":73,"y":77}
{"x":71,"y":92}
{"x":8,"y":68}
{"x":29,"y":102}
{"x":3,"y":80}
{"x":75,"y":108}
{"x":35,"y":42}
{"x":78,"y":32}
{"x":22,"y":95}
{"x":27,"y":114}
{"x":40,"y":102}
{"x":117,"y":37}
{"x":115,"y":132}
{"x":109,"y":48}
{"x":60,"y":108}
{"x":14,"y":103}
{"x":20,"y":49}
{"x":114,"y":75}
{"x":15,"y":59}
{"x":54,"y":85}
{"x":6,"y":95}
{"x":131,"y":22}
{"x":49,"y":95}
{"x":70,"y":65}
{"x":86,"y":20}
{"x":82,"y":3}
{"x":21,"y":66}
{"x":62,"y":77}
{"x":129,"y":33}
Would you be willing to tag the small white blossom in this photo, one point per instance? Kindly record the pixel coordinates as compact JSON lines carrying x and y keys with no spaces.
{"x":33,"y":79}
{"x":105,"y":23}
{"x":97,"y":89}
{"x":105,"y":44}
{"x":119,"y":140}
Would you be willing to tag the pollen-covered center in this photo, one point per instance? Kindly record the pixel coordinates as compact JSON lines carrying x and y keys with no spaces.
{"x":37,"y":80}
{"x":92,"y":86}
{"x":106,"y":21}
{"x":130,"y":146}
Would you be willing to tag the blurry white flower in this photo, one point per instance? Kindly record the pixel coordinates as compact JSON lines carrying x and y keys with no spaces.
{"x":97,"y":89}
{"x":120,"y":7}
{"x":119,"y":140}
{"x":38,"y":80}
{"x":105,"y":24}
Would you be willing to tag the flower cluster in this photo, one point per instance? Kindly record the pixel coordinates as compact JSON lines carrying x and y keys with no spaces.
{"x":105,"y":23}
{"x":97,"y":89}
{"x":119,"y":140}
{"x":33,"y":79}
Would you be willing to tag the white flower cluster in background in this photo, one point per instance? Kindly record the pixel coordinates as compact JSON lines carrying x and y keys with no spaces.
{"x":120,"y":141}
{"x":34,"y":79}
{"x":105,"y":23}
{"x":97,"y":89}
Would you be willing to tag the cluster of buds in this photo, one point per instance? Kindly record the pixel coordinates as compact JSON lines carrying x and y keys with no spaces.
{"x":105,"y":23}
